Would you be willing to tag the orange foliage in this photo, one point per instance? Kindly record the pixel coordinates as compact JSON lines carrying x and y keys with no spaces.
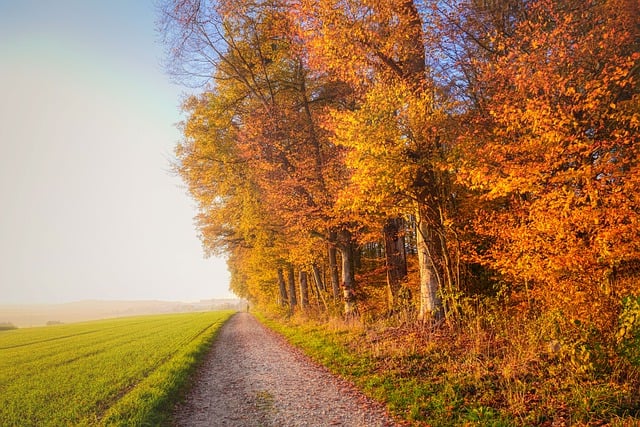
{"x":508,"y":130}
{"x":558,"y":156}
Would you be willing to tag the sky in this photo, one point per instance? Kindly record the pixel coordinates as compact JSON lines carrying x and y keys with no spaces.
{"x":89,"y":207}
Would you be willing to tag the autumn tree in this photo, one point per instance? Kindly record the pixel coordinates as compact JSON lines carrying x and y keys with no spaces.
{"x":397,"y":150}
{"x":257,"y":66}
{"x":231,"y":219}
{"x":555,"y":150}
{"x":505,"y":131}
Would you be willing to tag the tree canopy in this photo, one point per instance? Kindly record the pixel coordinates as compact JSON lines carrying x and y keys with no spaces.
{"x":465,"y":146}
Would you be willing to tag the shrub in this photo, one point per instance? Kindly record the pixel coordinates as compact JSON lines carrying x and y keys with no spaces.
{"x":628,"y":335}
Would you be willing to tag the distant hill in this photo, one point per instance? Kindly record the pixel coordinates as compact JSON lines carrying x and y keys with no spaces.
{"x":41,"y":314}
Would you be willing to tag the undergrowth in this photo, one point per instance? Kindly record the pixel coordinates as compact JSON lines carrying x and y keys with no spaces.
{"x":487,"y":368}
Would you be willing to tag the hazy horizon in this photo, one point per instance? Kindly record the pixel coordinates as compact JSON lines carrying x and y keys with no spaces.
{"x":31,"y":315}
{"x":117,"y":301}
{"x":87,"y":131}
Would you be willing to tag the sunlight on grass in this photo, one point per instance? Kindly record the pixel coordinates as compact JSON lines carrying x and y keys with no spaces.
{"x":120,"y":371}
{"x":478,"y":373}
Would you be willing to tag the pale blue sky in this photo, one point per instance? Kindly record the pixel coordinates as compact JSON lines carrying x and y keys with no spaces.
{"x":88,"y":209}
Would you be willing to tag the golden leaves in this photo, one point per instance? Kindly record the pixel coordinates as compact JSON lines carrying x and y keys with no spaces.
{"x":558,"y":158}
{"x":529,"y":147}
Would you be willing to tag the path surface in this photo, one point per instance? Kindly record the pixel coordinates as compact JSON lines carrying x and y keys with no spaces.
{"x":252,"y":377}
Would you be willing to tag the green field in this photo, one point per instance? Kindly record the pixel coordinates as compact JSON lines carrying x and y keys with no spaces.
{"x":125,"y":371}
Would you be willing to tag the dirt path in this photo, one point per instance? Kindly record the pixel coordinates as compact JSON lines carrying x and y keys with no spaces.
{"x":253,"y":378}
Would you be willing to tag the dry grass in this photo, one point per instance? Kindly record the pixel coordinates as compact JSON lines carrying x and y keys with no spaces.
{"x":494,"y":367}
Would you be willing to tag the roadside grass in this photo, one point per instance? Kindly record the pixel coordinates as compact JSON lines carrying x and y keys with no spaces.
{"x":126,"y":371}
{"x":481,"y":371}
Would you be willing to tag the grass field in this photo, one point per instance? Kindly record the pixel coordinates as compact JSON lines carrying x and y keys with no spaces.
{"x":125,"y":371}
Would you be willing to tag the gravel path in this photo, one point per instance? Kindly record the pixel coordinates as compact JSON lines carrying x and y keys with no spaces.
{"x":252,"y":377}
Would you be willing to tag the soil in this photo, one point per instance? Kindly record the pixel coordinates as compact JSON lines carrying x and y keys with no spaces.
{"x":252,"y":377}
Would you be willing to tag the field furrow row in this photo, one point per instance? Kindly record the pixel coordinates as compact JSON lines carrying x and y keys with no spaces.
{"x":77,"y":373}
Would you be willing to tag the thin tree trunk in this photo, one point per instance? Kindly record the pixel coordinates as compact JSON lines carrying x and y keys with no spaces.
{"x":320,"y":287}
{"x":395,"y":257}
{"x":283,"y":288}
{"x":304,"y":290}
{"x":430,"y":303}
{"x":333,"y":267}
{"x":317,"y":276}
{"x":346,"y":247}
{"x":315,"y":291}
{"x":293,"y":301}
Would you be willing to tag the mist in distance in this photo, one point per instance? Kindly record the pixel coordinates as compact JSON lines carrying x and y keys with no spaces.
{"x":90,"y":209}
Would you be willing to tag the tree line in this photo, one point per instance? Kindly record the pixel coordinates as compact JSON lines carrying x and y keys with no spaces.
{"x":390,"y":155}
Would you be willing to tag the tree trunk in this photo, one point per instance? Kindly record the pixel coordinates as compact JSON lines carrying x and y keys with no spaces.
{"x":304,"y":290}
{"x":430,"y":303}
{"x":320,"y":287}
{"x":333,"y":266}
{"x":346,"y":247}
{"x":283,"y":288}
{"x":317,"y":276}
{"x":293,"y":301}
{"x":395,"y":257}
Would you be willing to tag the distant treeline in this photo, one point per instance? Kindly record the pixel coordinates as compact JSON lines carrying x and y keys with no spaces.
{"x":7,"y":326}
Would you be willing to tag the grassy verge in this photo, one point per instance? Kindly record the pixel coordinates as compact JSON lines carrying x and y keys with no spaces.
{"x":473,"y":374}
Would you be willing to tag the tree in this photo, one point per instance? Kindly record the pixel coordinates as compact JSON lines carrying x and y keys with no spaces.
{"x":261,"y":72}
{"x":396,"y":150}
{"x":558,"y":157}
{"x":395,"y":256}
{"x":232,"y":218}
{"x":282,"y":288}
